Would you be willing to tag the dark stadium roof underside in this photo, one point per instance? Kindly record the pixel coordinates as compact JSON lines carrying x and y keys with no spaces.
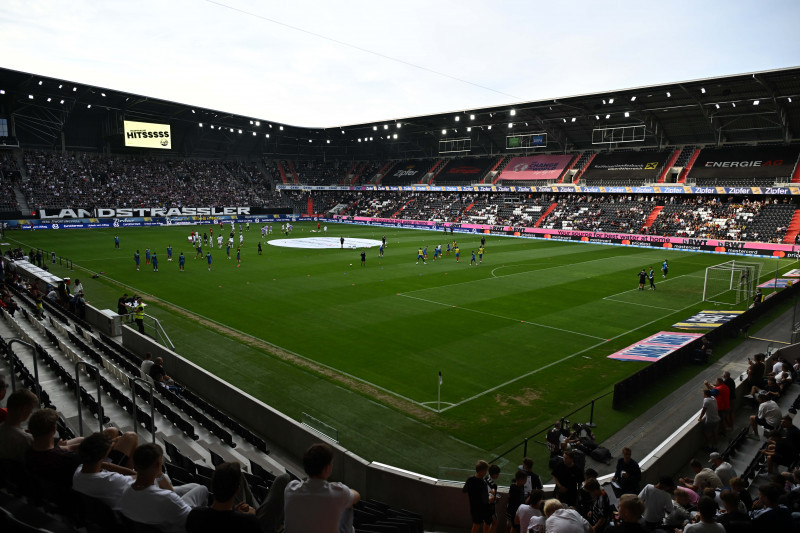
{"x":711,"y":111}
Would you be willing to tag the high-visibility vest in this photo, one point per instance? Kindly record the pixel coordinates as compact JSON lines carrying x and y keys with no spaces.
{"x":139,"y":313}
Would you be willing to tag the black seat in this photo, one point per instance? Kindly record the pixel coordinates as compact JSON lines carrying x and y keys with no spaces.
{"x":96,"y":516}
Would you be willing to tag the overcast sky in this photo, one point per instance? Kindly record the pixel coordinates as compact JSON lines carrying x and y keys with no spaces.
{"x":331,"y":63}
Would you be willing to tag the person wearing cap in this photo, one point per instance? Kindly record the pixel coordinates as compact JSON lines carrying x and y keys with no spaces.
{"x":723,"y":469}
{"x":769,"y":414}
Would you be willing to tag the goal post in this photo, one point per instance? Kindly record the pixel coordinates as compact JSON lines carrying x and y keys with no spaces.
{"x":731,"y":283}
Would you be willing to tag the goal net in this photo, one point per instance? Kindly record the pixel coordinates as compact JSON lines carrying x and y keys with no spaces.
{"x":731,"y":283}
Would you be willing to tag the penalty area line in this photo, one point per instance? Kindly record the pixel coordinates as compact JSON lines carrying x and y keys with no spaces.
{"x":568,"y":357}
{"x":503,"y":317}
{"x":641,"y":305}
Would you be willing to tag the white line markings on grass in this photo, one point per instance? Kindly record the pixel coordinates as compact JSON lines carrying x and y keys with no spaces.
{"x":641,"y":305}
{"x":537,"y":370}
{"x":503,"y":317}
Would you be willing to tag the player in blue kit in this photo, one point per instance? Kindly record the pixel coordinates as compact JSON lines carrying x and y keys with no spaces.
{"x":136,"y":258}
{"x":664,"y":269}
{"x":228,"y":250}
{"x":181,"y":262}
{"x":155,"y":262}
{"x":380,"y":249}
{"x":116,"y":241}
{"x":238,"y":257}
{"x":169,"y":252}
{"x":435,"y":253}
{"x":208,"y":256}
{"x":472,"y":261}
{"x":147,"y":256}
{"x":651,"y":276}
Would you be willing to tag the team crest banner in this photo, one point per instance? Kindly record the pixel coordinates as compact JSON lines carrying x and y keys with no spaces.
{"x":655,"y":347}
{"x":707,"y":319}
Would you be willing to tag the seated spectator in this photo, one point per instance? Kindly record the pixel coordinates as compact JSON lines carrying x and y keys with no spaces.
{"x":657,"y":501}
{"x":707,"y":513}
{"x":562,"y":520}
{"x":152,"y":499}
{"x":771,"y":389}
{"x":631,"y":509}
{"x":723,"y":469}
{"x":739,"y":486}
{"x":767,"y":515}
{"x":147,"y":364}
{"x":222,"y":515}
{"x":779,"y":451}
{"x":329,"y":500}
{"x":681,"y":510}
{"x":100,"y":476}
{"x":158,"y":374}
{"x":600,"y":514}
{"x":45,"y":459}
{"x":769,"y":414}
{"x":628,"y":475}
{"x":15,"y":441}
{"x":704,"y":477}
{"x":734,"y":520}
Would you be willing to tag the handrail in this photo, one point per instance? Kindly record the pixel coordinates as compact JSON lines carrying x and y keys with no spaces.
{"x":35,"y":369}
{"x":133,"y":382}
{"x":100,"y":415}
{"x":524,"y":443}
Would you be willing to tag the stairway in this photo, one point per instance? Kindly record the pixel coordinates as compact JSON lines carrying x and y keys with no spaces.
{"x":668,"y":166}
{"x":572,"y":163}
{"x":22,"y":202}
{"x":544,"y":215}
{"x":796,"y":173}
{"x":295,"y":179}
{"x":583,"y":169}
{"x":653,"y":215}
{"x":793,"y":229}
{"x":281,"y":171}
{"x":688,"y":167}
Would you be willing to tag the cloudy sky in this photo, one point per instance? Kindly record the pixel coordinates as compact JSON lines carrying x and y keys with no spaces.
{"x":331,"y":63}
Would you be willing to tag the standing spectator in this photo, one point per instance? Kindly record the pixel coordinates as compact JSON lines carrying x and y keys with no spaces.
{"x":532,"y":480}
{"x":516,"y":496}
{"x":722,"y":395}
{"x":756,"y":371}
{"x":491,"y":483}
{"x":14,"y":441}
{"x":122,"y":307}
{"x":709,"y":418}
{"x":600,"y":514}
{"x":628,"y":475}
{"x":657,"y":501}
{"x":330,"y":501}
{"x":138,"y":315}
{"x":476,"y":490}
{"x":531,"y":513}
{"x":568,"y":477}
{"x":222,"y":515}
{"x":152,"y":499}
{"x":731,"y":384}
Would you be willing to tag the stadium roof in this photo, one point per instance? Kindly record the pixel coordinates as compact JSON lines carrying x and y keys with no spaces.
{"x":746,"y":108}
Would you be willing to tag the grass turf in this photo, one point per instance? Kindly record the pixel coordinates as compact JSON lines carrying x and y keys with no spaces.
{"x":521,"y":339}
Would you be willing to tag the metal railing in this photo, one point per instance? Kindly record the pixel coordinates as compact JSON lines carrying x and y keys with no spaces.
{"x":35,"y":369}
{"x":100,"y":415}
{"x":152,"y":325}
{"x":152,"y":427}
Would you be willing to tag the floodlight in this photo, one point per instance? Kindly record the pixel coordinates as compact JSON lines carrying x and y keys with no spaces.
{"x":49,"y":99}
{"x":469,"y":128}
{"x":240,"y":131}
{"x":458,"y":118}
{"x":703,"y":90}
{"x":472,"y":117}
{"x":40,"y":82}
{"x":388,"y":136}
{"x":398,"y":125}
{"x":329,"y":141}
{"x":756,"y":102}
{"x":733,"y":104}
{"x":267,"y":135}
{"x":610,"y":100}
{"x":30,"y":97}
{"x":512,"y":112}
{"x":489,"y":127}
{"x":395,"y":136}
{"x":74,"y":89}
{"x":359,"y":139}
{"x":608,"y":116}
{"x":281,"y":128}
{"x":212,"y":126}
{"x":374,"y":128}
{"x":627,"y":114}
{"x":565,"y":120}
{"x":254,"y":134}
{"x":342,"y":132}
{"x":201,"y":125}
{"x":574,"y":119}
{"x":510,"y":125}
{"x":633,"y":98}
{"x":604,"y":103}
{"x":60,"y":86}
{"x":258,"y":122}
{"x":103,"y":95}
{"x":386,"y":126}
{"x":669,"y":95}
{"x":790,"y":98}
{"x":717,"y":105}
{"x":444,"y":132}
{"x":370,"y":138}
{"x":309,"y":140}
{"x":89,"y":106}
{"x":62,"y":102}
{"x":597,"y":117}
{"x":3,"y":91}
{"x":251,"y":122}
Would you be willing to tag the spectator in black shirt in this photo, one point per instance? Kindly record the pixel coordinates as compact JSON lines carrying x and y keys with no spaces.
{"x":568,"y":477}
{"x":628,"y":475}
{"x":222,"y":516}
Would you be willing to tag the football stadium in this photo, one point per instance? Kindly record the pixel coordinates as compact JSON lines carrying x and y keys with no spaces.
{"x":555,"y":282}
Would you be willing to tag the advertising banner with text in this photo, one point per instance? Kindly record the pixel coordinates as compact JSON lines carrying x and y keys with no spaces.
{"x":746,"y":162}
{"x":147,"y":135}
{"x":537,"y":167}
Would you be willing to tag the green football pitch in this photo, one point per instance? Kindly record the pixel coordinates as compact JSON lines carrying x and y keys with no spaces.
{"x":520,"y":339}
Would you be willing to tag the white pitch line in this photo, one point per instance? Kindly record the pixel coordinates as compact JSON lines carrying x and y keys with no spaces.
{"x":635,"y":290}
{"x":536,"y":371}
{"x":642,"y":305}
{"x":502,"y":317}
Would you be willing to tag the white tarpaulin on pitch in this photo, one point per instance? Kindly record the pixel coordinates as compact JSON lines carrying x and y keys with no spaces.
{"x":325,"y":242}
